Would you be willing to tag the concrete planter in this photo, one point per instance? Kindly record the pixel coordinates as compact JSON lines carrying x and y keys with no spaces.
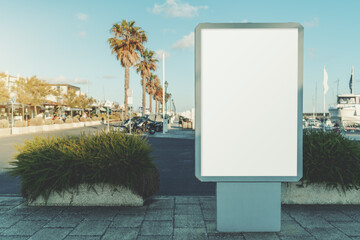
{"x":317,"y":194}
{"x":105,"y":195}
{"x":4,"y":131}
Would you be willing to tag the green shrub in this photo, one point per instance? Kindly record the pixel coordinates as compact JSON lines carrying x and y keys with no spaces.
{"x":57,"y":164}
{"x":4,"y":123}
{"x":332,"y":159}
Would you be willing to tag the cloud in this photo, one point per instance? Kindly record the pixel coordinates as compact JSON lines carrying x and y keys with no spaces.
{"x":186,"y":42}
{"x":173,"y":8}
{"x":63,"y":80}
{"x":109,"y":77}
{"x":81,"y":34}
{"x":159,"y":54}
{"x":82,"y":16}
{"x":313,"y":23}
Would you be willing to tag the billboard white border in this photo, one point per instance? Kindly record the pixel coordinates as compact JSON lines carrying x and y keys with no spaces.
{"x":198,"y":103}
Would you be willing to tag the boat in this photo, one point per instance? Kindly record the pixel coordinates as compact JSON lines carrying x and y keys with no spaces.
{"x":346,"y":111}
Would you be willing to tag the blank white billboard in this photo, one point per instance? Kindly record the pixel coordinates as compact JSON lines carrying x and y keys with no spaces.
{"x":249,"y":101}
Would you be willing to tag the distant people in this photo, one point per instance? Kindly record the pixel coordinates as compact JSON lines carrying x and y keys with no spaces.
{"x":54,"y":118}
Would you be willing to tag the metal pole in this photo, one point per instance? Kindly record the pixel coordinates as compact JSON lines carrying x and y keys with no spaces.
{"x":12,"y":116}
{"x":108,"y":122}
{"x":163,"y":92}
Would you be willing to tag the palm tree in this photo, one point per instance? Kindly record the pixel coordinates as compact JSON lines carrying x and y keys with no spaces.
{"x":158,"y":97}
{"x":127,"y":42}
{"x":151,"y":84}
{"x":145,"y":67}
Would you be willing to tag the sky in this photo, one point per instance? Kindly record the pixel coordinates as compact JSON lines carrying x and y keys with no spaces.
{"x":66,"y":42}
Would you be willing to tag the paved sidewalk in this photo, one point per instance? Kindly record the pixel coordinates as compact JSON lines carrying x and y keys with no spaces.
{"x":175,"y":131}
{"x":167,"y":218}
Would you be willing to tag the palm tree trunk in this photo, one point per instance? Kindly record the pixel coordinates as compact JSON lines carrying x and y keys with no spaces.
{"x":150,"y":101}
{"x":35,"y":111}
{"x":126,"y":88}
{"x":156,"y":107}
{"x":143,"y":95}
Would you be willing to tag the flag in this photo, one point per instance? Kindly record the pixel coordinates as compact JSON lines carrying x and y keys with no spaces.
{"x":350,"y":84}
{"x":326,"y":87}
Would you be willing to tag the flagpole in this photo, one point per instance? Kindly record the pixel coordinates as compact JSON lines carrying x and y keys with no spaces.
{"x":353,"y":80}
{"x":324,"y":101}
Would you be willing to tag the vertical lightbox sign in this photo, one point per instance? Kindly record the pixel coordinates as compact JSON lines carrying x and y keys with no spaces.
{"x":249,"y":79}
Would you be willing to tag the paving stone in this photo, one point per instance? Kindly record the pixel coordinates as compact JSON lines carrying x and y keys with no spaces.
{"x":154,"y":237}
{"x":90,"y":227}
{"x":208,"y":205}
{"x":5,"y":209}
{"x":285,"y":216}
{"x":209,"y":214}
{"x":99,"y":214}
{"x":51,"y":234}
{"x":159,"y":214}
{"x":45,"y":213}
{"x":313,"y":222}
{"x":11,"y":201}
{"x":335,"y":216}
{"x":292,"y":229}
{"x":8,"y":220}
{"x":121,"y":233}
{"x":190,"y":233}
{"x":328,"y":234}
{"x":193,"y":209}
{"x":127,"y":221}
{"x":210,"y":227}
{"x":226,"y":236}
{"x":189,"y":221}
{"x":82,"y":238}
{"x":349,"y":228}
{"x":132,"y":210}
{"x":261,"y":236}
{"x":24,"y":228}
{"x":297,"y":238}
{"x":186,"y":200}
{"x":23,"y":210}
{"x":161,"y":204}
{"x":14,"y":237}
{"x":65,"y":220}
{"x":157,"y":228}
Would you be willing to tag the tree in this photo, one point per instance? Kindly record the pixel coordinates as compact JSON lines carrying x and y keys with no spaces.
{"x":38,"y":91}
{"x":70,"y":99}
{"x":84,"y":101}
{"x":145,"y":66}
{"x":151,"y":84}
{"x":158,"y":97}
{"x":23,"y":94}
{"x":4,"y":92}
{"x":126,"y":43}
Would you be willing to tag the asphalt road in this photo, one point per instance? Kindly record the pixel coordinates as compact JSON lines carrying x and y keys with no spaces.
{"x":175,"y":159}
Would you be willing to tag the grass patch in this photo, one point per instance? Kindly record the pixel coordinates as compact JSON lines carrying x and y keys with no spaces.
{"x":59,"y":163}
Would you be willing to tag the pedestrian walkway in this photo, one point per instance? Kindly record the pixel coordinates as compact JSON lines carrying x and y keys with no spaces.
{"x":167,"y":218}
{"x":175,"y":131}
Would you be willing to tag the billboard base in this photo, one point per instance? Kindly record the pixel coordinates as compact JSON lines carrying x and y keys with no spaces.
{"x":248,"y":206}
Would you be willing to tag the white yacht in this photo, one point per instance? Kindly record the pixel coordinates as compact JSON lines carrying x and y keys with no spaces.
{"x":347,"y":110}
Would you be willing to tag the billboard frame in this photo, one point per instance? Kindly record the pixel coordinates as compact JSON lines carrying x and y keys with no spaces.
{"x":198,"y":29}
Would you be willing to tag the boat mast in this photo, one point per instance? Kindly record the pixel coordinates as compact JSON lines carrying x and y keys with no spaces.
{"x":353,"y":79}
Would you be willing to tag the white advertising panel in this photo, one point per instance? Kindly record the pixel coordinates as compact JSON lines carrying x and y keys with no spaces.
{"x":249,"y":102}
